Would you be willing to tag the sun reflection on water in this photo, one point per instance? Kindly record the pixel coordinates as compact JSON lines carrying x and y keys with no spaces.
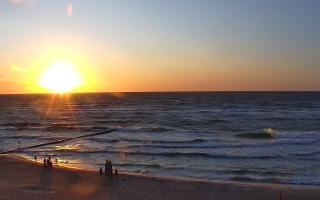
{"x":67,"y":147}
{"x":70,"y":163}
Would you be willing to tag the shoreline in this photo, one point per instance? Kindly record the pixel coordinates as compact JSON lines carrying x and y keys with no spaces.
{"x":29,"y":159}
{"x":21,"y":178}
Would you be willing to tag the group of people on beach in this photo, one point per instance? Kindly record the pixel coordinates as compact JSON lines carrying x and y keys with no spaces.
{"x":47,"y":162}
{"x":108,"y":171}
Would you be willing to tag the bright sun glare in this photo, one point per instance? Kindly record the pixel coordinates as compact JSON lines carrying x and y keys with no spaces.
{"x":60,"y":77}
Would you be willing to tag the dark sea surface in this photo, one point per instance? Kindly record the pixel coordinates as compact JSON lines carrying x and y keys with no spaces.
{"x":242,"y":136}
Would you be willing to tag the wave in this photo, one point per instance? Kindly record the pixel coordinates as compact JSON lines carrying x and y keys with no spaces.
{"x":22,"y":124}
{"x":306,"y":154}
{"x":217,"y":120}
{"x":31,"y":137}
{"x":97,"y":128}
{"x":64,"y":126}
{"x":257,"y":172}
{"x":21,"y":128}
{"x":261,"y":135}
{"x":138,"y":165}
{"x":198,"y":143}
{"x":146,"y":129}
{"x":302,"y":182}
{"x":178,"y":146}
{"x":172,"y":154}
{"x":160,"y":129}
{"x":198,"y":140}
{"x":105,"y":120}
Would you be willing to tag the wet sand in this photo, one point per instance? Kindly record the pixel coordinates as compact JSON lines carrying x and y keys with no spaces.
{"x":23,"y":179}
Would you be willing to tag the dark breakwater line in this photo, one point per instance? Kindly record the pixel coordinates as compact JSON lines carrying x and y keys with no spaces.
{"x":57,"y":141}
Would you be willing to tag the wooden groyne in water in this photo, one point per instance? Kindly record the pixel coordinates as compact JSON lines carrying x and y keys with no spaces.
{"x":57,"y":141}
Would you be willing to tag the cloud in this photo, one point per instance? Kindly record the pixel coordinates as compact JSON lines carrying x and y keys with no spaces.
{"x":27,"y":3}
{"x":16,"y":68}
{"x":70,"y":9}
{"x":16,"y":2}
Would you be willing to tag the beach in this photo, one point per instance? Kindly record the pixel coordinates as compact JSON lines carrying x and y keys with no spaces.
{"x":24,"y":179}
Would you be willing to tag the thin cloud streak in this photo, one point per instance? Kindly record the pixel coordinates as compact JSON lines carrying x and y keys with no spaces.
{"x":70,"y":9}
{"x":16,"y":2}
{"x":24,"y":3}
{"x":16,"y":68}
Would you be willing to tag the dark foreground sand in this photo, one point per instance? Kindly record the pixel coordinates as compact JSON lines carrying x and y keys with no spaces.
{"x":24,"y":180}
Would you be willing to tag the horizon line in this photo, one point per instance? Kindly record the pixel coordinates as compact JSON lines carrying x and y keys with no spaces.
{"x":178,"y":91}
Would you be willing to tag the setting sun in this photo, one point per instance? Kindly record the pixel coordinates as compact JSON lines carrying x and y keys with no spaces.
{"x":60,"y":77}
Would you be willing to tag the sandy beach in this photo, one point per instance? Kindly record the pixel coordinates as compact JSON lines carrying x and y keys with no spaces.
{"x":24,"y":179}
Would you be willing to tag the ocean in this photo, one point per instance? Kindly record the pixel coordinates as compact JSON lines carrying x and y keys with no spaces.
{"x":269,"y":137}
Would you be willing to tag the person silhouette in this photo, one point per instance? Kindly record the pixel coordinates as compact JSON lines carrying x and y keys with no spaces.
{"x":100,"y":171}
{"x":116,"y":172}
{"x":110,"y":168}
{"x":106,"y":168}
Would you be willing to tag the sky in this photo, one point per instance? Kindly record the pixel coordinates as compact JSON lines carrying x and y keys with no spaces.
{"x":162,"y":45}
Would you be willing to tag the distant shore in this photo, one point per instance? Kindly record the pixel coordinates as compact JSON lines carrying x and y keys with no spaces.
{"x":24,"y":179}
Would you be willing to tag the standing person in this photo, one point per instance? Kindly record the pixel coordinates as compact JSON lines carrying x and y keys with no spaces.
{"x":44,"y":162}
{"x":100,"y":171}
{"x":111,"y":175}
{"x":35,"y":158}
{"x":106,"y":168}
{"x":109,"y":167}
{"x":116,"y":172}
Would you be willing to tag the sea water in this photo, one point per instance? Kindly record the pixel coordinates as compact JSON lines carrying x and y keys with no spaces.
{"x":241,"y":136}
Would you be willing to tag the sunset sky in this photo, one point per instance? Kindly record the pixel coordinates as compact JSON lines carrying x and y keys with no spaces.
{"x":159,"y":45}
